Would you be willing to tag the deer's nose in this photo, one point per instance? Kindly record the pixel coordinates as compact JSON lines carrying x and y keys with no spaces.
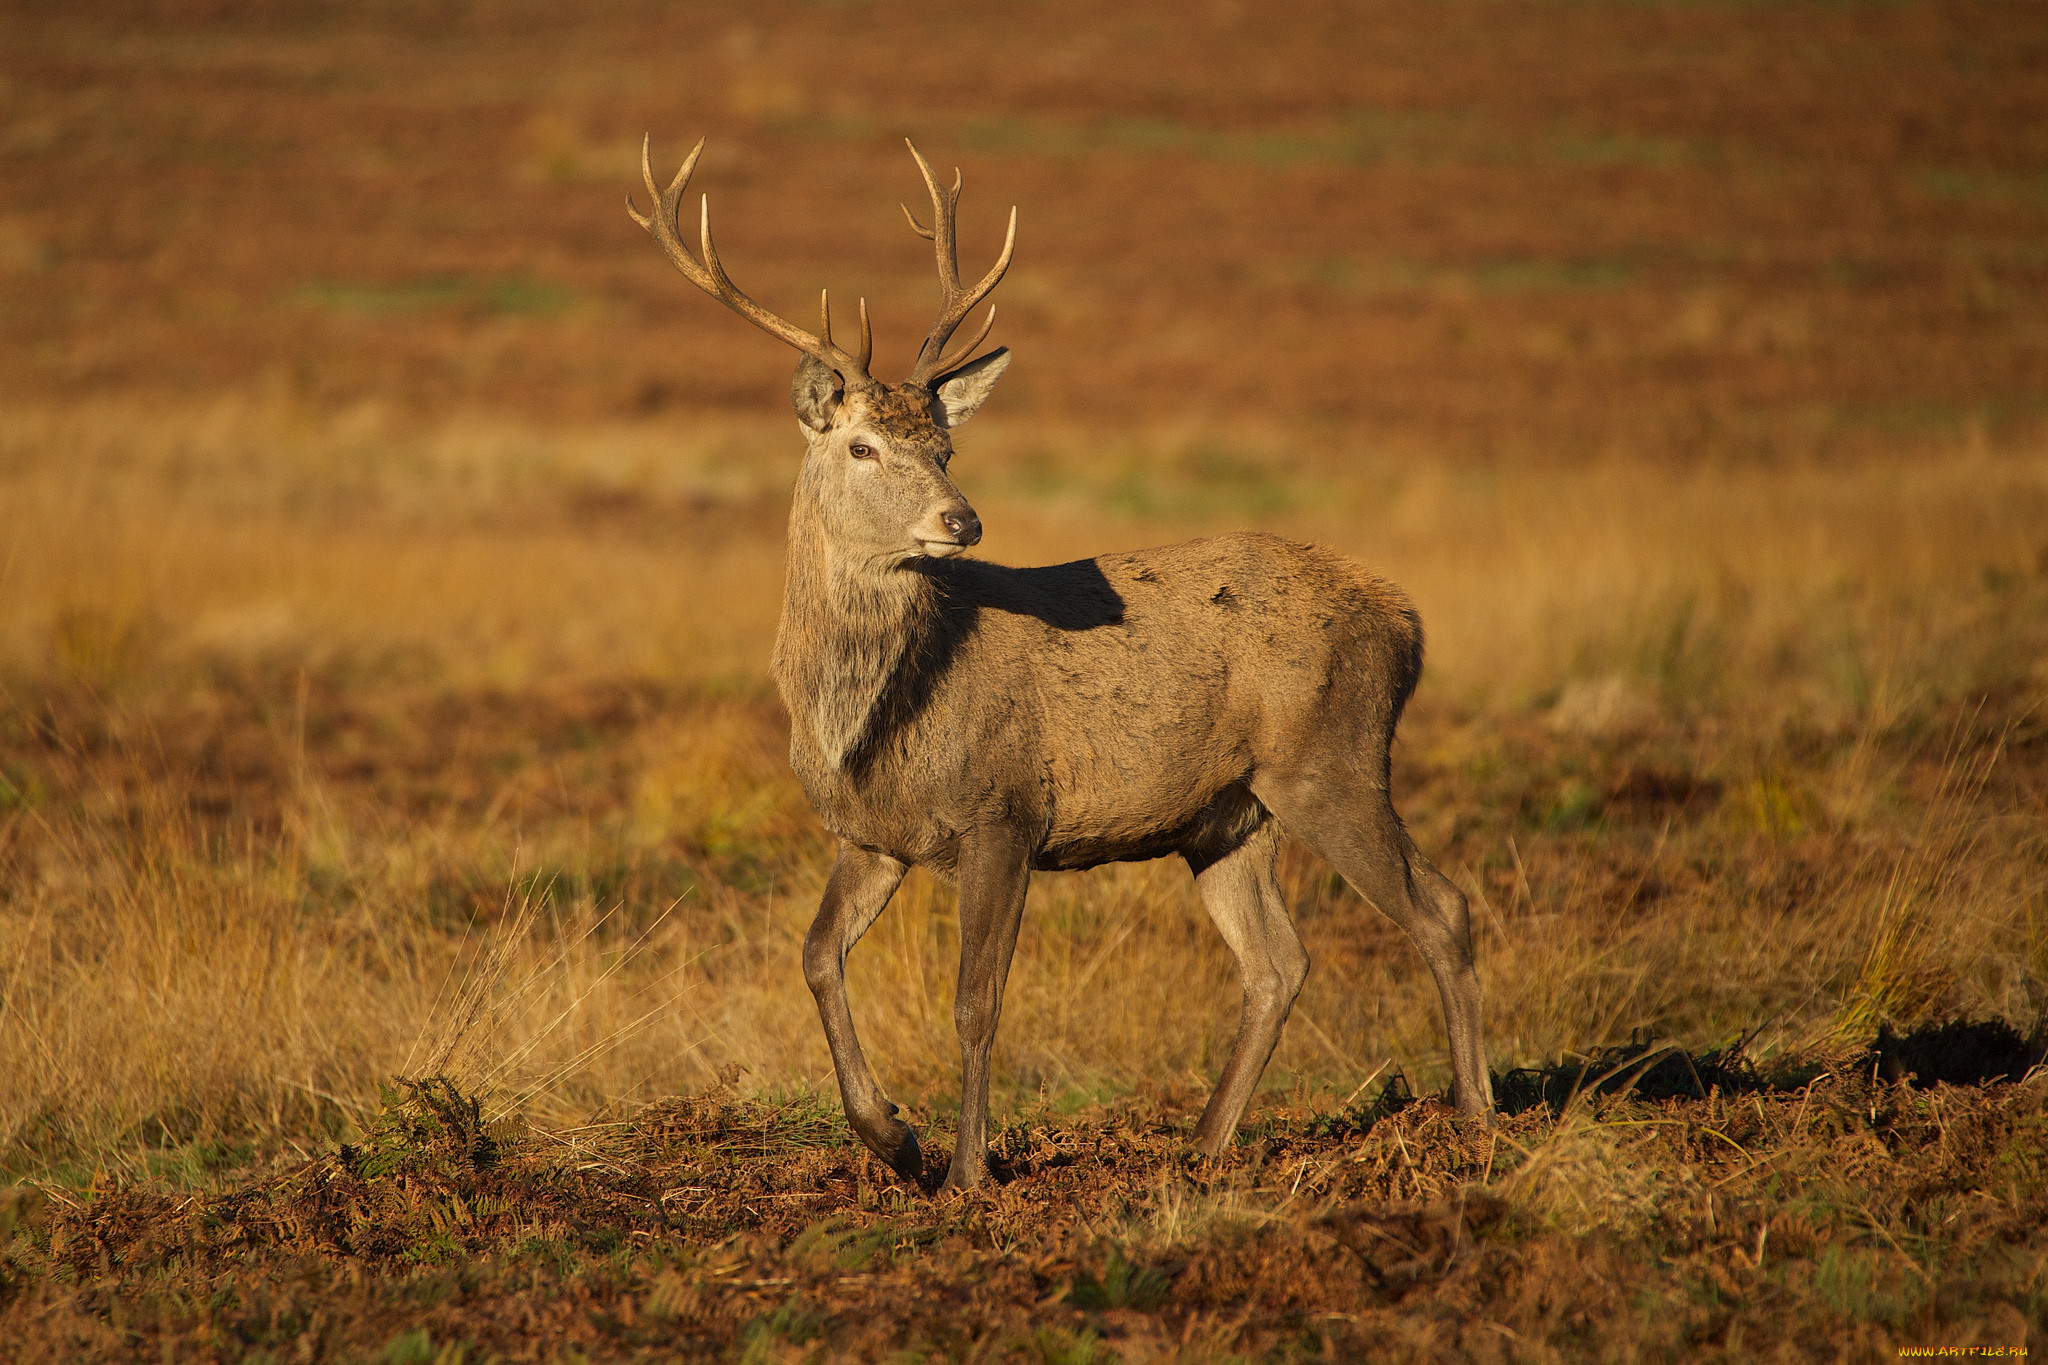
{"x":963,"y":525}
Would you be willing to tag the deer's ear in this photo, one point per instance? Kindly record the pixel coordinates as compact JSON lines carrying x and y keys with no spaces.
{"x":815,"y":392}
{"x":959,"y":393}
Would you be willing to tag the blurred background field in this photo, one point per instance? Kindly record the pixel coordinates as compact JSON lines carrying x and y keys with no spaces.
{"x":392,"y":543}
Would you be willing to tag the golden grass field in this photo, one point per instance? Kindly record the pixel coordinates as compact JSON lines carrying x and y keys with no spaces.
{"x":1713,"y":752}
{"x":392,"y":547}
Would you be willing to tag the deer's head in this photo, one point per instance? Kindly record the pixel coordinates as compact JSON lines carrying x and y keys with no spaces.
{"x":875,"y":467}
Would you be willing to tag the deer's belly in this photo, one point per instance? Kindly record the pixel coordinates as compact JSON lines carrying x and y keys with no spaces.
{"x":1146,"y":814}
{"x":1199,"y":814}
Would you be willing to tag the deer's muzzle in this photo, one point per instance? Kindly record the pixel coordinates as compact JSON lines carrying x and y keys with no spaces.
{"x":949,"y":531}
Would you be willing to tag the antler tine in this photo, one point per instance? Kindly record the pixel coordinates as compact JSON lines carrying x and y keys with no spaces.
{"x":867,"y":332}
{"x":955,"y":303}
{"x":665,"y":219}
{"x":919,"y":228}
{"x":665,"y":223}
{"x":961,"y":355}
{"x":944,"y":207}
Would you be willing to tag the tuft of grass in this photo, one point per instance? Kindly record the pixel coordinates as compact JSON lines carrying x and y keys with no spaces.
{"x":1909,"y":962}
{"x":1122,"y":1283}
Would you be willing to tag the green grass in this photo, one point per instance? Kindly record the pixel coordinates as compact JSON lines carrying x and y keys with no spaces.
{"x":2027,"y":189}
{"x":1354,"y":137}
{"x":509,"y":296}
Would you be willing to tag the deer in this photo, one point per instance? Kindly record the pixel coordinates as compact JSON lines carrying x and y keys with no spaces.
{"x":985,"y":722}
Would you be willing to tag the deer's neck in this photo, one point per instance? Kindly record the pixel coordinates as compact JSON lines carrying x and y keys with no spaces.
{"x":849,"y":627}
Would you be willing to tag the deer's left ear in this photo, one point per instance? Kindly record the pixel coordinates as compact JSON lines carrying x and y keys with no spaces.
{"x":957,"y":394}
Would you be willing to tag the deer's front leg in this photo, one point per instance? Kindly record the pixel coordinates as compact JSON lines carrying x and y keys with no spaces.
{"x":994,"y":873}
{"x":860,"y":886}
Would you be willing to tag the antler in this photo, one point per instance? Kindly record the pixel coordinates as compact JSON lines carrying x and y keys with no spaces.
{"x":956,"y":303}
{"x":665,"y":222}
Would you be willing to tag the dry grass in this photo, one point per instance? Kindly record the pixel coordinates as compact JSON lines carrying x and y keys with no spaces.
{"x":320,"y":768}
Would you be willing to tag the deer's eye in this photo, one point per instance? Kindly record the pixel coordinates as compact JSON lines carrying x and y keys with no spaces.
{"x":860,"y":450}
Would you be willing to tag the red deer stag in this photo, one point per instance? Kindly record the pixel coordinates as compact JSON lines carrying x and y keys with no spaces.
{"x":984,"y":721}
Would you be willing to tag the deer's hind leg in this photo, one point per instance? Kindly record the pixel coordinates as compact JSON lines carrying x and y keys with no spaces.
{"x":855,"y":895}
{"x":1241,"y":892}
{"x":1353,"y":825}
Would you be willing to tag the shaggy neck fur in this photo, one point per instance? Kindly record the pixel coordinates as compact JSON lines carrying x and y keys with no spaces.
{"x":848,"y":627}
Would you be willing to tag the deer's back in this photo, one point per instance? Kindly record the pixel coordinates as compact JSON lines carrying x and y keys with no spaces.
{"x":1141,"y":692}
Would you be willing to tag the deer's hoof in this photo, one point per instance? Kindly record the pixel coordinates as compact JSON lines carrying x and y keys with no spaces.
{"x":896,"y":1144}
{"x":960,"y":1179}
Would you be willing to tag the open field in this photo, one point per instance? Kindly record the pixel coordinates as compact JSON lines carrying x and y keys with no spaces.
{"x":392,"y":545}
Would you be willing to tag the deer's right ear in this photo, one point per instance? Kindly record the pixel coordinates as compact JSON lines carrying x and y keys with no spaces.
{"x":814,"y":391}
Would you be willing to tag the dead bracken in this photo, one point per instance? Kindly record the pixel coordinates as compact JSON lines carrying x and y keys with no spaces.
{"x":1834,"y":1211}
